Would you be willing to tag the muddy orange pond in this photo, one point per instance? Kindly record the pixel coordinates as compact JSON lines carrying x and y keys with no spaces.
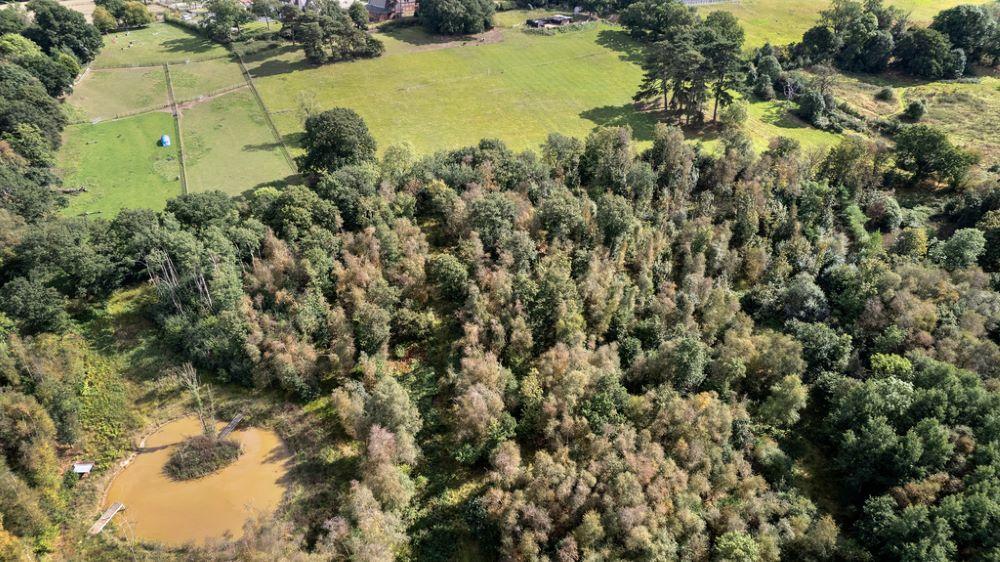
{"x":171,"y":512}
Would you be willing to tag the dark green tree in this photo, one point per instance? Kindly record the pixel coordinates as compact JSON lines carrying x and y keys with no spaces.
{"x":928,"y":53}
{"x":457,"y":17}
{"x":57,"y":28}
{"x":333,"y":139}
{"x":927,"y":152}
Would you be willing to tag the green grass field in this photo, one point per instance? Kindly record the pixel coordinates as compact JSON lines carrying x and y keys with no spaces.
{"x":120,"y":164}
{"x":156,"y":44}
{"x":105,"y":94}
{"x":518,"y":89}
{"x":783,"y":21}
{"x":768,"y":120}
{"x":229,"y":146}
{"x":200,"y":78}
{"x":227,"y":143}
{"x":433,"y":92}
{"x":969,"y":112}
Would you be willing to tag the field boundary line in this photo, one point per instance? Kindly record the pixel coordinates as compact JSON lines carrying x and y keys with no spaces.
{"x":214,"y":93}
{"x":177,"y":127}
{"x":168,"y":105}
{"x":158,"y":64}
{"x":119,"y":116}
{"x":267,"y":115}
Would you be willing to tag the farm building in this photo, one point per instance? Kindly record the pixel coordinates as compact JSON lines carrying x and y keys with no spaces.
{"x":382,"y":10}
{"x":551,"y":21}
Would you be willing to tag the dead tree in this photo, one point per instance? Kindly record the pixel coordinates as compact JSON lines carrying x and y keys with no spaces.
{"x":204,"y":408}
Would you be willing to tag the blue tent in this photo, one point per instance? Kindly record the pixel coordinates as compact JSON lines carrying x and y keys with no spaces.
{"x":165,"y":140}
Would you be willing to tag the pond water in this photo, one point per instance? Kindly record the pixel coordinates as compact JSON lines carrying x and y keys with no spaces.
{"x":163,"y":510}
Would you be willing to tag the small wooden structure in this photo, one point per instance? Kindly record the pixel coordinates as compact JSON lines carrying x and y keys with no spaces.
{"x":101,"y":523}
{"x":83,"y":468}
{"x":556,"y":20}
{"x":232,"y":425}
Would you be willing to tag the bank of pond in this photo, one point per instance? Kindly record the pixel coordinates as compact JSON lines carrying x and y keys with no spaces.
{"x":173,"y":512}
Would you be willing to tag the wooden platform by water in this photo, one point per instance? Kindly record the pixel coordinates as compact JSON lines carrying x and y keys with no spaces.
{"x":232,"y":425}
{"x":106,"y":518}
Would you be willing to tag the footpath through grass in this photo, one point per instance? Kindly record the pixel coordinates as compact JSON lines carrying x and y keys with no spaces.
{"x":120,"y":164}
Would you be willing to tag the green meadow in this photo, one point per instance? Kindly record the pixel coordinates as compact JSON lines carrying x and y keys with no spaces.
{"x":783,"y":21}
{"x":439,"y":96}
{"x":106,"y":94}
{"x":120,"y":164}
{"x":228,"y":145}
{"x":515,"y":86}
{"x":433,"y":92}
{"x":156,"y":44}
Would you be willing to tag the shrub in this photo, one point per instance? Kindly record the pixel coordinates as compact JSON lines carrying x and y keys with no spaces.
{"x":915,"y":110}
{"x":201,"y":455}
{"x":885,"y":94}
{"x":735,"y":114}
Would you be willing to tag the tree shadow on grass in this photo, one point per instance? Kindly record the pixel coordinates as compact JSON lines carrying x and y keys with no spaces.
{"x":291,"y":179}
{"x":264,"y":55}
{"x":417,"y":36}
{"x":617,"y":40}
{"x":780,"y":115}
{"x":294,"y":140}
{"x":642,"y":124}
{"x":275,"y":67}
{"x":190,"y":45}
{"x":262,"y":147}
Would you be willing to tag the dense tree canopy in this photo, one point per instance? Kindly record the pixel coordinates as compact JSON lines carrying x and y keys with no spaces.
{"x":335,"y":138}
{"x":596,"y":350}
{"x":457,"y":17}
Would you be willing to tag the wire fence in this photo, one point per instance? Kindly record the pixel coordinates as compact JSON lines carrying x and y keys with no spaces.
{"x":267,"y":115}
{"x":127,"y":66}
{"x":213,"y":93}
{"x":118,"y":116}
{"x":177,"y":129}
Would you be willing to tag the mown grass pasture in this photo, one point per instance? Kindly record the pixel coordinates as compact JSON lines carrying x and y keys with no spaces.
{"x":120,"y":164}
{"x":445,"y":95}
{"x":512,"y":85}
{"x":229,"y":146}
{"x":106,"y":94}
{"x":156,"y":44}
{"x":202,"y":78}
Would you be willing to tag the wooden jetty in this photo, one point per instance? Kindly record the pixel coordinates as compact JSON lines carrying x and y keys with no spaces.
{"x":106,"y":518}
{"x":232,"y":425}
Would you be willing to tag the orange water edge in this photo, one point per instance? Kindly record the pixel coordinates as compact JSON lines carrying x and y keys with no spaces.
{"x":159,"y":509}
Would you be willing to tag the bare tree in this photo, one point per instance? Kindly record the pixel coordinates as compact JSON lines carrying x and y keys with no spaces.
{"x":205,"y":408}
